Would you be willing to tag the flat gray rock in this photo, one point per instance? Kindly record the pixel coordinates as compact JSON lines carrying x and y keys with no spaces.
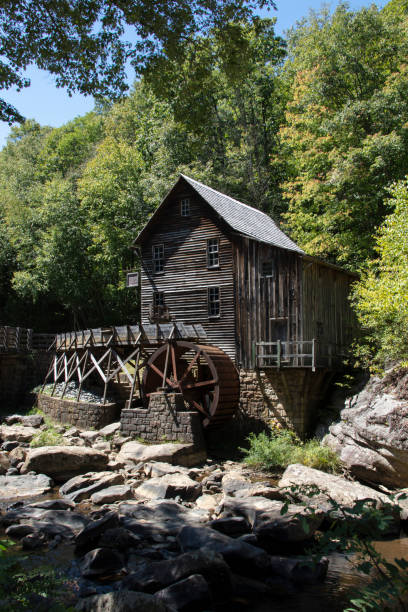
{"x":112,"y":495}
{"x":110,"y":429}
{"x":24,"y":486}
{"x":83,"y":487}
{"x":343,"y":491}
{"x":169,"y":486}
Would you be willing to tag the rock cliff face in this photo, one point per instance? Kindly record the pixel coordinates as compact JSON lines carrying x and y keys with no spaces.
{"x":371,"y":437}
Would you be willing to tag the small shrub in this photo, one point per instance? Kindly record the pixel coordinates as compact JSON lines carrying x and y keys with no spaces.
{"x":315,"y":455}
{"x":47,"y":437}
{"x":283,"y":447}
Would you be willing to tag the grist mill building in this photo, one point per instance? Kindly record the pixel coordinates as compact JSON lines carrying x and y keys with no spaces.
{"x":281,"y":316}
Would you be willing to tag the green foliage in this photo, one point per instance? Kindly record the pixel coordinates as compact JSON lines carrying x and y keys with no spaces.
{"x":380,"y":298}
{"x":352,"y":532}
{"x":48,"y":436}
{"x":346,"y":132}
{"x":283,"y":447}
{"x":19,"y":587}
{"x":84,"y":45}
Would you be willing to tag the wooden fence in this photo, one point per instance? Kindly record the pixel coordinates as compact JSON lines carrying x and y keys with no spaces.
{"x":22,"y":340}
{"x":297,"y":354}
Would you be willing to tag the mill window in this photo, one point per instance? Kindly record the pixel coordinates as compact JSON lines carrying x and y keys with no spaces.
{"x":267,"y":269}
{"x":158,"y":258}
{"x":214,"y":309}
{"x":213,"y":249}
{"x":185,"y":207}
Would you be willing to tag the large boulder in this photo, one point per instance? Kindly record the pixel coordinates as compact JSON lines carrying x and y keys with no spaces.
{"x":269,"y":523}
{"x":342,"y":491}
{"x":371,"y":437}
{"x":189,"y":594}
{"x":241,"y":557}
{"x":63,"y":462}
{"x":30,"y":420}
{"x":20,"y":487}
{"x":176,"y":454}
{"x":19,"y":433}
{"x":160,"y":574}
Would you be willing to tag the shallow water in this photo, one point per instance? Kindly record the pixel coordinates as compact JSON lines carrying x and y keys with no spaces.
{"x":335,"y":592}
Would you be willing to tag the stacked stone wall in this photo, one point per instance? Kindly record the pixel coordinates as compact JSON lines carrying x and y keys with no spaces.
{"x":81,"y":414}
{"x":166,"y":419}
{"x":286,"y":398}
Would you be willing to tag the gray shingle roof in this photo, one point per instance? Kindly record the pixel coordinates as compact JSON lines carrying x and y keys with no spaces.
{"x":243,"y":218}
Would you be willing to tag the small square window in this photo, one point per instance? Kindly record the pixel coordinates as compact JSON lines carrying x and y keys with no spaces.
{"x":213,"y":250}
{"x":214,"y":306}
{"x":185,"y":207}
{"x":158,"y":258}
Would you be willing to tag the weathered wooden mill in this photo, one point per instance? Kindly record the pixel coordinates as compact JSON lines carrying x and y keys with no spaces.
{"x":235,"y":318}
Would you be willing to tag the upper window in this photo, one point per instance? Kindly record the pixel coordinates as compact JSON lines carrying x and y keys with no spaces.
{"x":214,"y":303}
{"x":268,"y":269}
{"x":158,"y":258}
{"x":185,"y":207}
{"x":213,"y":250}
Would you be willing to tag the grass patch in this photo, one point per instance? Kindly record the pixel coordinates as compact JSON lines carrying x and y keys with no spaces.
{"x":282,"y":447}
{"x":48,"y":436}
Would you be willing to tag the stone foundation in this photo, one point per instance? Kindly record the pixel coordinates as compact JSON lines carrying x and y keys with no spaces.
{"x":286,"y":398}
{"x":81,"y":414}
{"x":166,"y":419}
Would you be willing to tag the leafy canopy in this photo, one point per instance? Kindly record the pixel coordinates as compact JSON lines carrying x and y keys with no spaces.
{"x":345,"y":137}
{"x":380,"y":297}
{"x":87,"y":43}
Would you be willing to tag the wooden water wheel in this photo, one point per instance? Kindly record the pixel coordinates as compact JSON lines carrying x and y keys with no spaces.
{"x":205,"y":375}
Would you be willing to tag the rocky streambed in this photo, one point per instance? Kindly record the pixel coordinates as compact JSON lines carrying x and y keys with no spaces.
{"x":149,"y":530}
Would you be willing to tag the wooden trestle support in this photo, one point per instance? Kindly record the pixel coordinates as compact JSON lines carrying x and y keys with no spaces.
{"x":172,"y":357}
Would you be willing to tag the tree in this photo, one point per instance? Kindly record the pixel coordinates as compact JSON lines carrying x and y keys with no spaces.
{"x":346,"y":132}
{"x":380,"y":297}
{"x":87,"y":43}
{"x":228,"y":98}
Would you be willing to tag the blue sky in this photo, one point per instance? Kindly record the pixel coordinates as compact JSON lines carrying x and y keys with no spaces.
{"x":50,"y":105}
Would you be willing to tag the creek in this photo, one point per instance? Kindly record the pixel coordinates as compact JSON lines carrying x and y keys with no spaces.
{"x":342,"y":581}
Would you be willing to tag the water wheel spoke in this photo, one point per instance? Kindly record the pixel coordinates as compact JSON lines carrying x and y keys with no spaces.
{"x":161,"y":374}
{"x":174,"y":364}
{"x":190,"y":366}
{"x":200,"y":384}
{"x":199,"y":407}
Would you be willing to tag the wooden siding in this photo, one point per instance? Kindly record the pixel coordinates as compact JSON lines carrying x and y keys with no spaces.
{"x":327,"y":314}
{"x":186,"y":278}
{"x":268,"y":307}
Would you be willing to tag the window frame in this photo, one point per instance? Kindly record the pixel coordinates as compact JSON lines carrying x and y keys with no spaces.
{"x":158,"y":262}
{"x":158,"y":299}
{"x":185,"y":212}
{"x":264,"y":272}
{"x":210,"y":254}
{"x":211,"y":302}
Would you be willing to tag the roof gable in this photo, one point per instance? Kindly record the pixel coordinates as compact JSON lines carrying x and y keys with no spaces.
{"x":240,"y":217}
